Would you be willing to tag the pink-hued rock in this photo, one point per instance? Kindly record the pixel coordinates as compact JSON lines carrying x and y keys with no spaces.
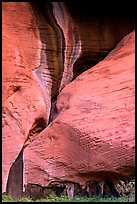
{"x":44,"y":47}
{"x":22,"y":101}
{"x":32,"y":71}
{"x":72,"y":49}
{"x":93,"y":135}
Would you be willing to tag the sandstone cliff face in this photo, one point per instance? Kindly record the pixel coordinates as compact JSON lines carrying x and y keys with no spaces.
{"x":22,"y":100}
{"x":44,"y":47}
{"x":93,"y":135}
{"x":32,"y":62}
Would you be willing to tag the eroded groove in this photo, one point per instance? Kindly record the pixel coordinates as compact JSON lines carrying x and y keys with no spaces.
{"x":38,"y":126}
{"x":53,"y":110}
{"x":52,"y":52}
{"x":49,"y":75}
{"x":15,"y":179}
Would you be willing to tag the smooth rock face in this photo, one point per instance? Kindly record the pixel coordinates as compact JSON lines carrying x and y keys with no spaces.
{"x":45,"y":46}
{"x":32,"y":62}
{"x":22,"y":99}
{"x":93,"y":135}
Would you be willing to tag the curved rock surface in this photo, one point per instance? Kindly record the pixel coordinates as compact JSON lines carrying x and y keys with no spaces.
{"x":44,"y":47}
{"x":93,"y":135}
{"x":22,"y":100}
{"x":35,"y":69}
{"x":99,"y":28}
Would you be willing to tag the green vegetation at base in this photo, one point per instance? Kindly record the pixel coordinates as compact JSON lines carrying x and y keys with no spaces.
{"x":130,"y":198}
{"x":6,"y":198}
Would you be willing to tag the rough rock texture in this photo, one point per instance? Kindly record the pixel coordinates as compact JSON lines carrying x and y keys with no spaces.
{"x":60,"y":46}
{"x":72,"y":49}
{"x":45,"y":46}
{"x":32,"y":63}
{"x":22,"y":100}
{"x":93,"y":135}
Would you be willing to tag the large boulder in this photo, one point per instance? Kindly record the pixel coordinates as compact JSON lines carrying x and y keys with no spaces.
{"x":93,"y":136}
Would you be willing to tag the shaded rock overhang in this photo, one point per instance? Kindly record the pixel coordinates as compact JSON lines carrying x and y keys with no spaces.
{"x":87,"y":12}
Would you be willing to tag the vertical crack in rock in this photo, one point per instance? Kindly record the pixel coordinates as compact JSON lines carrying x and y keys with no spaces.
{"x":51,"y":7}
{"x":49,"y":74}
{"x":50,"y":71}
{"x":38,"y":126}
{"x":53,"y":110}
{"x":72,"y":41}
{"x":56,"y":63}
{"x":15,"y":178}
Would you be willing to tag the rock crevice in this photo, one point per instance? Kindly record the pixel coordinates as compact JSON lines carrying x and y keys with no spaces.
{"x":42,"y":109}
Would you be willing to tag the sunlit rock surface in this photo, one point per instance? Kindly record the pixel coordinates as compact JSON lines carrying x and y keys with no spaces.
{"x":44,"y":47}
{"x":22,"y":100}
{"x":93,"y":135}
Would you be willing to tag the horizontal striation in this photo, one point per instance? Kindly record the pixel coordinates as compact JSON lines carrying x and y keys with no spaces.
{"x":93,"y":137}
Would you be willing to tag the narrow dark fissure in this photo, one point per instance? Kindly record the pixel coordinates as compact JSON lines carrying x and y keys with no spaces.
{"x":62,"y":36}
{"x":53,"y":109}
{"x":53,"y":53}
{"x":15,"y":178}
{"x":14,"y":186}
{"x":83,"y":63}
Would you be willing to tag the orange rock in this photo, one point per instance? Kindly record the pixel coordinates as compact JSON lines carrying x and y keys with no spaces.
{"x":93,"y":136}
{"x":22,"y":99}
{"x":32,"y":62}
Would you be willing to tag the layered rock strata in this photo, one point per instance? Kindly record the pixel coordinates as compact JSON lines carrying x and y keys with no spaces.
{"x":22,"y":100}
{"x":44,"y":47}
{"x":93,"y":135}
{"x":38,"y":56}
